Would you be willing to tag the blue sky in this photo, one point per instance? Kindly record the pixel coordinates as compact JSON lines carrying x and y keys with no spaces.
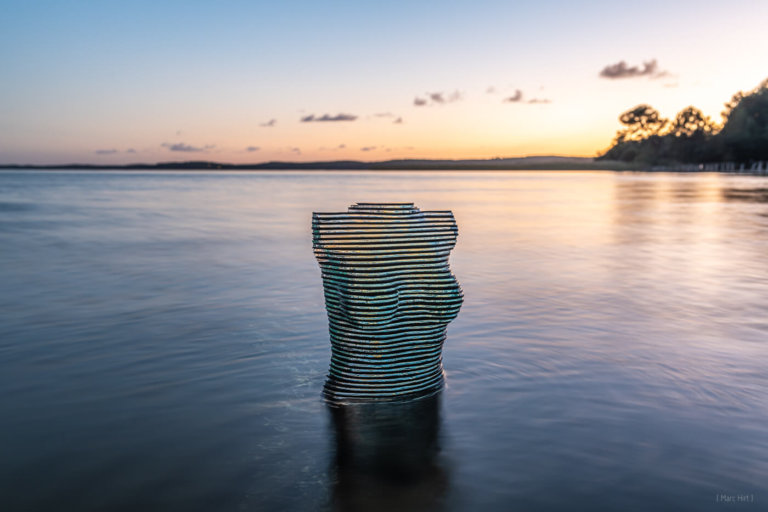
{"x":115,"y":82}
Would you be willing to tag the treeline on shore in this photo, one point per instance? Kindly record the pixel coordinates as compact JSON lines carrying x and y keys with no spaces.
{"x":741,"y":139}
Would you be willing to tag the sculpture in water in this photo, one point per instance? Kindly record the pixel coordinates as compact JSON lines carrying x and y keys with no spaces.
{"x":390,"y":296}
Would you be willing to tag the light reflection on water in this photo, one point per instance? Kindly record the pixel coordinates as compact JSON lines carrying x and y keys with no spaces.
{"x":163,"y":344}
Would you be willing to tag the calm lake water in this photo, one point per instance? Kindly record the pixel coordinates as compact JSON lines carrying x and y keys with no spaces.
{"x":164,"y":344}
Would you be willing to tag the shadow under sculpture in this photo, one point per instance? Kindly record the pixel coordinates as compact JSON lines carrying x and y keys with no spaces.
{"x":390,"y":296}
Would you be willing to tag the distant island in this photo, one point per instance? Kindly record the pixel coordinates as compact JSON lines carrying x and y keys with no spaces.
{"x":552,"y":163}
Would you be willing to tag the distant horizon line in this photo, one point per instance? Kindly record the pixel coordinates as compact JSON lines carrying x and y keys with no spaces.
{"x":492,"y":162}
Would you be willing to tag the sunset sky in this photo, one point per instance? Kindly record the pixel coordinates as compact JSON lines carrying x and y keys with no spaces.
{"x":252,"y":81}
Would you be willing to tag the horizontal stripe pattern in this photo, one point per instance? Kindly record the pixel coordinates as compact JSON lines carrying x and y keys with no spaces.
{"x":389,"y":294}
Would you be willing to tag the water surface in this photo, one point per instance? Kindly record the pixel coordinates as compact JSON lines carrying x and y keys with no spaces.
{"x":163,"y":345}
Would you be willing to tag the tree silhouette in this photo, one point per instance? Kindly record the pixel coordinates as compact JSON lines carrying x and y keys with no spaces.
{"x":641,"y":122}
{"x":745,"y":133}
{"x":691,"y":122}
{"x":692,"y":137}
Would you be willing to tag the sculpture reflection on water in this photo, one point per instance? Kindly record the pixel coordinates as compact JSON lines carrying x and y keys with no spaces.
{"x":389,"y":295}
{"x":387,"y":456}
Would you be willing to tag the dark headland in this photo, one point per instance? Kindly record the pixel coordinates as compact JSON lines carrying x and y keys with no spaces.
{"x":524,"y":163}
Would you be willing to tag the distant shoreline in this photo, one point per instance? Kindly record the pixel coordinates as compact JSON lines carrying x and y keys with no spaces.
{"x":535,"y":163}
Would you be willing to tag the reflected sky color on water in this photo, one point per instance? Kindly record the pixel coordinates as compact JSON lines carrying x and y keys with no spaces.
{"x":164,"y":343}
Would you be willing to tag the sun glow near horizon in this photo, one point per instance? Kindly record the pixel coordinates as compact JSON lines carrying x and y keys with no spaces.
{"x":254,"y":83}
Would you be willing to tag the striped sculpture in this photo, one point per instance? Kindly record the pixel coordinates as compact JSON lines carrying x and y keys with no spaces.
{"x":389,"y":295}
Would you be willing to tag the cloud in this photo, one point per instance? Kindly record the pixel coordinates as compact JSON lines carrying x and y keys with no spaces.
{"x":105,"y":151}
{"x":296,"y":150}
{"x":342,"y":146}
{"x":399,"y":120}
{"x":269,"y":124}
{"x":252,"y":148}
{"x":328,"y":118}
{"x":368,"y":148}
{"x":622,"y":70}
{"x":384,"y":114}
{"x":438,"y":98}
{"x":490,"y":90}
{"x":130,"y":150}
{"x":518,"y":98}
{"x":186,"y":148}
{"x":515,"y":98}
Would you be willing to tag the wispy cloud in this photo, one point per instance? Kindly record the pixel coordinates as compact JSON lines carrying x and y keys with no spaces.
{"x":328,"y":118}
{"x":269,"y":124}
{"x":333,"y":148}
{"x":130,"y":150}
{"x":515,"y":98}
{"x":518,"y":97}
{"x":442,"y":98}
{"x":186,"y":148}
{"x":252,"y":148}
{"x":438,"y":98}
{"x":621,"y":69}
{"x":105,"y":151}
{"x":368,"y":148}
{"x":389,"y":115}
{"x":491,"y":90}
{"x":296,"y":150}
